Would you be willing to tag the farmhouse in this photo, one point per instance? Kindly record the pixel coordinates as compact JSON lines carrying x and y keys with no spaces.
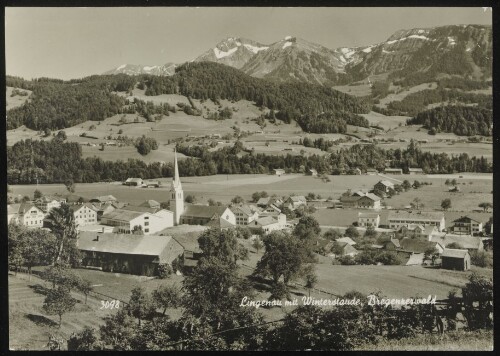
{"x":392,"y":244}
{"x":152,"y":204}
{"x":420,"y":246}
{"x":137,"y":182}
{"x":203,"y":214}
{"x":418,"y":231}
{"x":398,"y":219}
{"x":415,"y":171}
{"x":384,"y":186}
{"x":294,"y":201}
{"x":265,"y":202}
{"x":103,"y":199}
{"x":464,"y":241}
{"x":126,"y":220}
{"x":30,"y":215}
{"x":152,"y":183}
{"x":345,"y":249}
{"x":135,"y":254}
{"x":267,"y":224}
{"x":85,"y":214}
{"x":371,"y":171}
{"x":368,"y":219}
{"x":346,"y":239}
{"x":396,"y":171}
{"x":279,"y":171}
{"x":244,"y":214}
{"x":455,"y":259}
{"x":467,"y":225}
{"x":46,"y":203}
{"x":369,"y":201}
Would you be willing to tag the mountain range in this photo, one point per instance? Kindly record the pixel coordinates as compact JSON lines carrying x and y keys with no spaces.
{"x":418,"y":54}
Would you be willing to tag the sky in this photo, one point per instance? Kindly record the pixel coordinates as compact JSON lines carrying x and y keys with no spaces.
{"x":71,"y":43}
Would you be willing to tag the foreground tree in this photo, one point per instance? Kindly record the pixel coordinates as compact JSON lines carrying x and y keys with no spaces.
{"x":58,"y":302}
{"x":446,"y":204}
{"x":166,"y":296}
{"x":85,"y":340}
{"x":61,"y":221}
{"x":485,"y":206}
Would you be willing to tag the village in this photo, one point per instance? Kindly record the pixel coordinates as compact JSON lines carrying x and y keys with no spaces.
{"x":117,"y":236}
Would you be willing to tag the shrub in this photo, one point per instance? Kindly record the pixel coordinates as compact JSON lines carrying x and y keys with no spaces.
{"x":164,"y":270}
{"x":346,"y":260}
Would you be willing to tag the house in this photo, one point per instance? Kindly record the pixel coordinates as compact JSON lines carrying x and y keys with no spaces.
{"x":395,"y":171}
{"x":73,"y":199}
{"x":244,"y":214}
{"x":105,"y":208}
{"x":415,"y":171}
{"x":134,"y":254}
{"x":85,"y":214}
{"x":455,"y":259}
{"x":346,"y":249}
{"x":418,"y":231}
{"x":468,"y":242}
{"x":271,"y":209}
{"x":30,"y":215}
{"x":264,"y":202}
{"x":203,"y":214}
{"x":420,"y":246}
{"x":152,"y":183}
{"x":294,"y":201}
{"x":368,"y":219}
{"x":392,"y":244}
{"x":103,"y":199}
{"x":371,"y":171}
{"x":369,"y":201}
{"x":13,"y":213}
{"x":322,"y":246}
{"x":268,"y":224}
{"x":467,"y":225}
{"x":279,"y":172}
{"x":349,"y":201}
{"x":384,"y":186}
{"x":347,"y":240}
{"x":137,"y":182}
{"x":152,"y":204}
{"x":398,"y":219}
{"x":127,"y":219}
{"x":312,"y":172}
{"x":46,"y":203}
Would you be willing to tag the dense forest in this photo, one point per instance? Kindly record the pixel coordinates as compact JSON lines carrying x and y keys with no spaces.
{"x":56,"y":161}
{"x":414,"y":103}
{"x":315,"y":108}
{"x":56,"y":104}
{"x":461,"y":120}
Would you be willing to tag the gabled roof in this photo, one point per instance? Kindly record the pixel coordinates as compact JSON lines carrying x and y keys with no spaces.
{"x":266,"y":220}
{"x":77,"y":207}
{"x":386,"y":183}
{"x":150,"y":204}
{"x":104,"y":198}
{"x":49,"y":198}
{"x":454,"y":253}
{"x":395,"y":242}
{"x":263,"y":201}
{"x":466,"y":241}
{"x":368,"y":215}
{"x":129,"y":180}
{"x":298,"y":199}
{"x":347,"y":198}
{"x":465,"y":219}
{"x":422,"y":216}
{"x":371,"y":196}
{"x":204,"y":211}
{"x":24,"y":207}
{"x":346,"y":239}
{"x":123,"y":215}
{"x":219,"y":223}
{"x":13,"y":209}
{"x":416,"y":245}
{"x":412,"y":227}
{"x":139,"y":209}
{"x":146,"y":245}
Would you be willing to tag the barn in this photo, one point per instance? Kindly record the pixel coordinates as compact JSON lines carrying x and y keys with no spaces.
{"x":455,"y":259}
{"x":134,"y":254}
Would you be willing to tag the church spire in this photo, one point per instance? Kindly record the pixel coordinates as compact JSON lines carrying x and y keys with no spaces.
{"x":176,"y":182}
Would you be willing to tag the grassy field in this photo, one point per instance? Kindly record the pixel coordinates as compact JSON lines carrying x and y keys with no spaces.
{"x":404,"y":93}
{"x":481,"y":340}
{"x":30,"y":327}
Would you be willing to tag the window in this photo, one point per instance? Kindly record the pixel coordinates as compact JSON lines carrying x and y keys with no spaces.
{"x":146,"y":218}
{"x":146,"y":223}
{"x":146,"y":230}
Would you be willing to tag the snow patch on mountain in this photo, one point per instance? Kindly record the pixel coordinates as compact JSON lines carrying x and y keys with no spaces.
{"x":411,"y":36}
{"x":254,"y":49}
{"x":121,"y":67}
{"x":221,"y":54}
{"x":451,"y":41}
{"x":147,"y":68}
{"x":287,"y":38}
{"x":287,"y":44}
{"x":368,"y":50}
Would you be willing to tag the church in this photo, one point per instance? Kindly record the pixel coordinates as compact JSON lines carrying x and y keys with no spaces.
{"x":219,"y":216}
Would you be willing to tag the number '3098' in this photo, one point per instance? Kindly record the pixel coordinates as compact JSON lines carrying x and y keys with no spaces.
{"x":110,"y":304}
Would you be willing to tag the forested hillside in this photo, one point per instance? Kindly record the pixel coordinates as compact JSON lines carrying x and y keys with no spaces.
{"x":57,"y":104}
{"x":461,"y":120}
{"x":296,"y":101}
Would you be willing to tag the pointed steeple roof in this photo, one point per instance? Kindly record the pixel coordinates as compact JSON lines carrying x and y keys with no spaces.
{"x":176,"y":182}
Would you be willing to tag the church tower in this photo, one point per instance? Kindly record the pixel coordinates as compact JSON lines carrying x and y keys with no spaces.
{"x":176,"y":194}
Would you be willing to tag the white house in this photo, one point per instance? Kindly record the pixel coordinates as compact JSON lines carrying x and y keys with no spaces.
{"x":126,"y":220}
{"x":467,"y":225}
{"x":244,"y":214}
{"x":46,"y":203}
{"x":368,"y":219}
{"x":30,"y":215}
{"x":85,"y":214}
{"x":398,"y":219}
{"x":267,"y":223}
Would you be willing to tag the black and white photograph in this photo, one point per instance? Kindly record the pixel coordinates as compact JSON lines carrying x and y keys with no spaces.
{"x":185,"y":178}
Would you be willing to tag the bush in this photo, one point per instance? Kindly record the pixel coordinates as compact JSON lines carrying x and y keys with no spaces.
{"x":481,"y":259}
{"x":346,"y":260}
{"x":351,"y":231}
{"x":164,"y":270}
{"x":388,"y":258}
